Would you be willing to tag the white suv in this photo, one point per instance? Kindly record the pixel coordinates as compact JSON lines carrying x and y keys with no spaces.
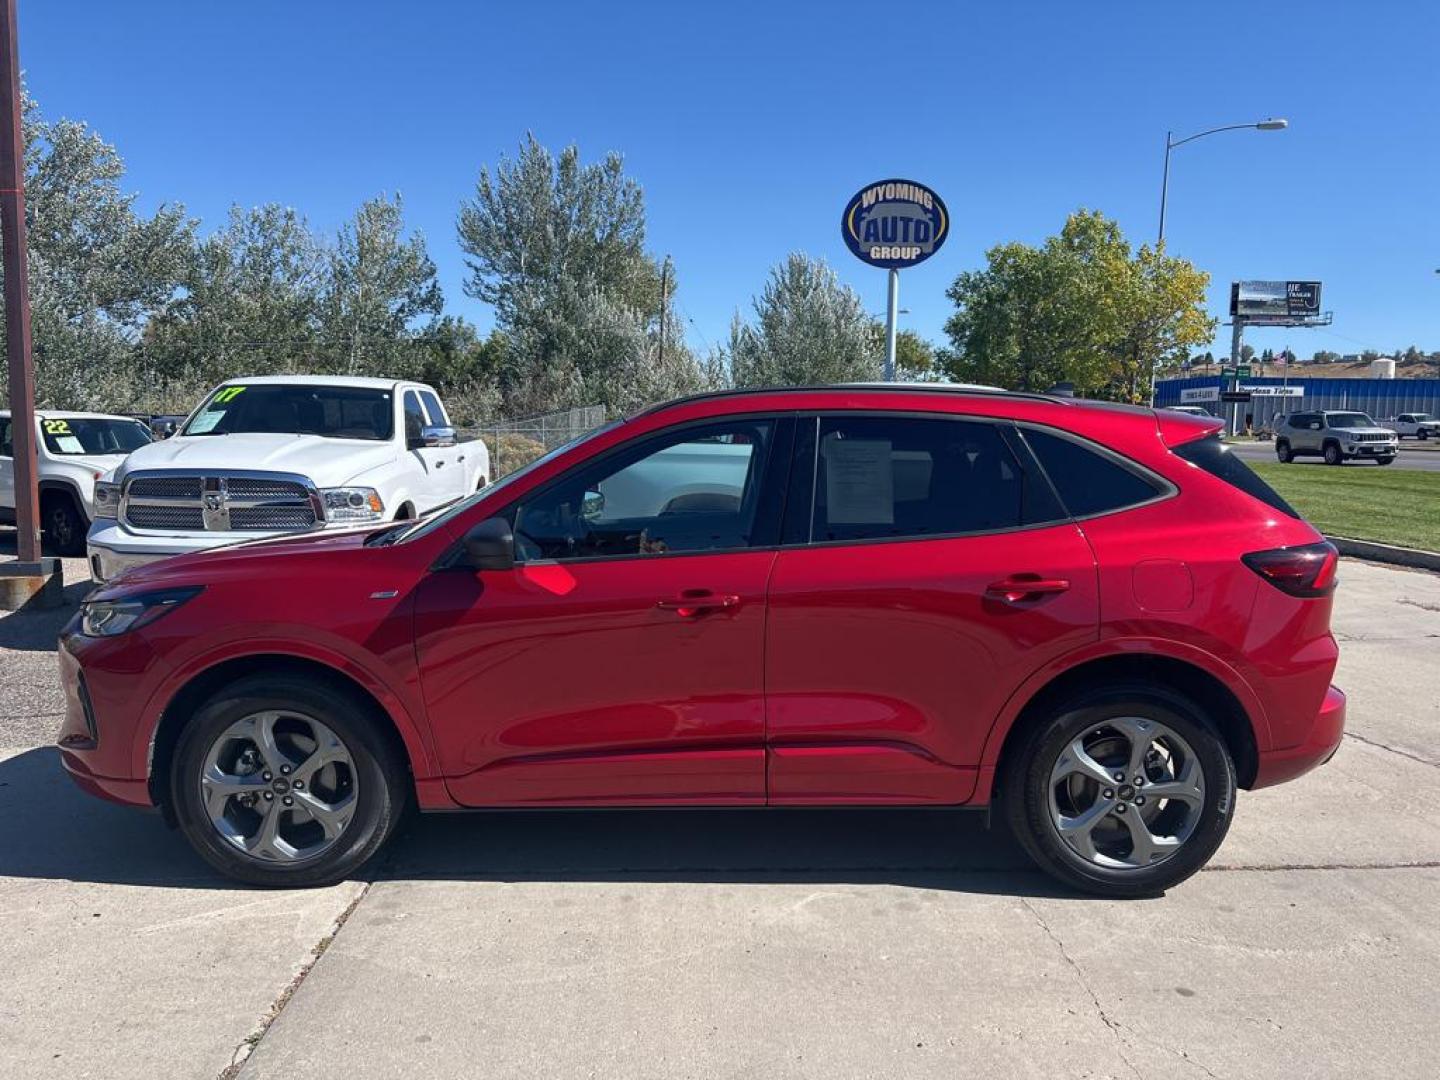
{"x":1336,"y":436}
{"x":72,"y":451}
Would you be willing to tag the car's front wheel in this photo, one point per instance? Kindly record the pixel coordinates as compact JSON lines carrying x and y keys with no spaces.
{"x":1283,"y":452}
{"x":1123,"y":791}
{"x":63,"y":524}
{"x":286,"y":781}
{"x":1385,"y":460}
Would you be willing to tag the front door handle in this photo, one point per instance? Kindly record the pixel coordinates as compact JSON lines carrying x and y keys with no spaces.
{"x":1021,"y":587}
{"x":693,"y":602}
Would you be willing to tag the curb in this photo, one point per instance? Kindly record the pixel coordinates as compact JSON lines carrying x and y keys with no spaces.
{"x":1387,"y":553}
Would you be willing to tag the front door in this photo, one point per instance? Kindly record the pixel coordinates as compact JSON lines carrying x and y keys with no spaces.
{"x":621,"y":661}
{"x":935,"y":572}
{"x":437,"y":464}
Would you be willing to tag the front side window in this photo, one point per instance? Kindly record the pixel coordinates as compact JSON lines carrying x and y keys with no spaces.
{"x":1087,"y":480}
{"x":333,"y":412}
{"x":432,"y":406}
{"x":692,"y":490}
{"x":415,"y":422}
{"x":77,"y":436}
{"x":6,"y":450}
{"x":891,"y":477}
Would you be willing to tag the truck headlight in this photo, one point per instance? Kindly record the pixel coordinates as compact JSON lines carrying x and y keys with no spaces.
{"x":353,"y":504}
{"x":107,"y":618}
{"x":107,"y":499}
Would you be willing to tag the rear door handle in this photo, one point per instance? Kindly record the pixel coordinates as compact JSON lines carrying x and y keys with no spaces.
{"x":1020,"y":587}
{"x":693,"y":602}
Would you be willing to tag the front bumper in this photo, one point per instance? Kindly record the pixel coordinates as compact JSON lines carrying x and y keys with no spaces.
{"x":1318,"y":746}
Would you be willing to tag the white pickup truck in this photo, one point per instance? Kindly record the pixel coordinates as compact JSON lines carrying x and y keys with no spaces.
{"x":72,"y":451}
{"x":283,"y":454}
{"x":1418,"y":425}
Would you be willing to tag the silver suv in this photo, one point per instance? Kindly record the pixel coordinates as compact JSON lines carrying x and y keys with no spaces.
{"x":1335,"y":436}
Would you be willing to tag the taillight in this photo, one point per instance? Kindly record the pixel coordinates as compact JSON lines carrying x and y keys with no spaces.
{"x":1299,"y":571}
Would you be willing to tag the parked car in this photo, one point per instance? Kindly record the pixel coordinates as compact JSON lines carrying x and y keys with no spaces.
{"x":1091,"y":617}
{"x":72,"y":451}
{"x":1336,"y":436}
{"x":1189,"y":410}
{"x":1418,"y":425}
{"x":164,"y":426}
{"x":284,"y":454}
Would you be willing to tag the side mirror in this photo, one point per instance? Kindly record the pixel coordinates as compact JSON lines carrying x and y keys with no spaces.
{"x":489,"y":545}
{"x":433,"y":438}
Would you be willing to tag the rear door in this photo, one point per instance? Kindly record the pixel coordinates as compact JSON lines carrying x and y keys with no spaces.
{"x":933,"y":571}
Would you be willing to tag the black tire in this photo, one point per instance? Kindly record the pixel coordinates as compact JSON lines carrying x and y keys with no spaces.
{"x":1385,"y":460}
{"x":381,"y":778}
{"x":1422,"y":434}
{"x":1283,"y":452}
{"x":1333,"y":454}
{"x":1025,"y":796}
{"x":63,"y":524}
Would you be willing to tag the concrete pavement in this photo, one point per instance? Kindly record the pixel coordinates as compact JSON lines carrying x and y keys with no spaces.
{"x":698,"y":943}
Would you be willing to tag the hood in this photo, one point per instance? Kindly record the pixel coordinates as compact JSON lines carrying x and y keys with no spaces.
{"x":100,"y":463}
{"x":327,"y":462}
{"x":212,"y":564}
{"x":1366,"y":429}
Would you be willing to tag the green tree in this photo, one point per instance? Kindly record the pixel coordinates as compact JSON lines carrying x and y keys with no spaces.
{"x":558,"y":248}
{"x":915,"y":359}
{"x":1083,"y":308}
{"x":809,"y":329}
{"x":378,"y":284}
{"x":1247,"y":354}
{"x":251,"y":304}
{"x":97,"y":266}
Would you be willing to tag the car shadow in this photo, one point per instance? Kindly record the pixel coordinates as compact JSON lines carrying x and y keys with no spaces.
{"x":35,"y":629}
{"x":49,"y":829}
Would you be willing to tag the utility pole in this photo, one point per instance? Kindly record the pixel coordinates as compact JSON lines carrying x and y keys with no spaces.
{"x":22,"y":583}
{"x":664,"y":284}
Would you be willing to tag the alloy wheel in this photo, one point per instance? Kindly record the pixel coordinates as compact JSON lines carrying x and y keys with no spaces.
{"x":1126,"y":793}
{"x":279,"y":786}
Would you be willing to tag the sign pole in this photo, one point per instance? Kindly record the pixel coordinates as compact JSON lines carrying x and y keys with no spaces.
{"x":1237,"y":327}
{"x":891,"y":313}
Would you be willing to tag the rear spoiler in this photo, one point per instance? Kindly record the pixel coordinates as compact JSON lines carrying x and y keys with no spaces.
{"x":1176,"y":429}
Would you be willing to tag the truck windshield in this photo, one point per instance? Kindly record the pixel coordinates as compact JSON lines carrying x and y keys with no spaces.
{"x":75,"y":436}
{"x":1348,"y":419}
{"x":334,"y":412}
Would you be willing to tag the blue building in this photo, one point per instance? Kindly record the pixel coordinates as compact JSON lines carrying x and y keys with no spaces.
{"x":1380,"y":398}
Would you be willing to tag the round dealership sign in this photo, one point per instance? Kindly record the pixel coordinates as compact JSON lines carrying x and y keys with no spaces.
{"x":895,"y":223}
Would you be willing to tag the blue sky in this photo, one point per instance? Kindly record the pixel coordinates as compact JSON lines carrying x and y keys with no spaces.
{"x":749,"y":125}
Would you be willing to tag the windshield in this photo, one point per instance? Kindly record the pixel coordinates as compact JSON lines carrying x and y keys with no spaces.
{"x":334,"y":412}
{"x":1348,"y":419}
{"x":1421,"y":417}
{"x":427,"y":525}
{"x":74,"y":436}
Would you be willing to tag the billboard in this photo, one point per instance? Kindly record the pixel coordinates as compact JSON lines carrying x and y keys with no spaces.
{"x":1258,"y":301}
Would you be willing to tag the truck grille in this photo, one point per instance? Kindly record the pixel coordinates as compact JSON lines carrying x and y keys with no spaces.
{"x":203,"y":503}
{"x":1366,"y":436}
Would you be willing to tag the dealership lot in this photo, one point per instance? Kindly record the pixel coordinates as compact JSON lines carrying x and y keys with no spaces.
{"x":695,"y":943}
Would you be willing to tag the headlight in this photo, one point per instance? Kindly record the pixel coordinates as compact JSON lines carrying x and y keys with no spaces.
{"x":107,"y":499}
{"x":107,"y":618}
{"x":353,"y":504}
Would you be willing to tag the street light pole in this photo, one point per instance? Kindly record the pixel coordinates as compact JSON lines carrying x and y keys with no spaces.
{"x":1271,"y":124}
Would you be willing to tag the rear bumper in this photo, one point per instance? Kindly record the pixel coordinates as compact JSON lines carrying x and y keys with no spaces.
{"x":1318,"y":747}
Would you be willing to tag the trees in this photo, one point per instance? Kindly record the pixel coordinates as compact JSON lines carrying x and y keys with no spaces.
{"x":808,"y":329}
{"x":1081,"y":308}
{"x":97,"y":267}
{"x":915,"y":359}
{"x":558,"y":248}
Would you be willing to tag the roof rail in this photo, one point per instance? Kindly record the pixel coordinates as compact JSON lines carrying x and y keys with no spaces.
{"x":909,"y":387}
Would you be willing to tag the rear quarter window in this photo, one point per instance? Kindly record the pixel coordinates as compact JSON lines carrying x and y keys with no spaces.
{"x":1215,"y":457}
{"x":1089,"y":481}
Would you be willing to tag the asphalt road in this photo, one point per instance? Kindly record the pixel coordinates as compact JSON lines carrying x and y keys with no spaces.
{"x":1410,"y":457}
{"x":830,"y":944}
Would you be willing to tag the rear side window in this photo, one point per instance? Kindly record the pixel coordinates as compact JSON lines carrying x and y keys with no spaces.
{"x":1215,"y":457}
{"x":891,"y":477}
{"x":1088,"y":481}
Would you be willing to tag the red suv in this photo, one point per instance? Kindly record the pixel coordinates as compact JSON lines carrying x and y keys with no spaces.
{"x":1091,"y":617}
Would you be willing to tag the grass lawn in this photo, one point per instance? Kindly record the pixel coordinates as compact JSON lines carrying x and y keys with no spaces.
{"x":1363,"y":502}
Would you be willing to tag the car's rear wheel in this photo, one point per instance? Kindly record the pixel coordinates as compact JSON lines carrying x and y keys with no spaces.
{"x":1282,"y":451}
{"x":285,"y":781}
{"x":1123,"y":791}
{"x":1333,"y":454}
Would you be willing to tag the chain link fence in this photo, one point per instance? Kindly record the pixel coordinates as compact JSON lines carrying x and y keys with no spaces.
{"x":514,"y":443}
